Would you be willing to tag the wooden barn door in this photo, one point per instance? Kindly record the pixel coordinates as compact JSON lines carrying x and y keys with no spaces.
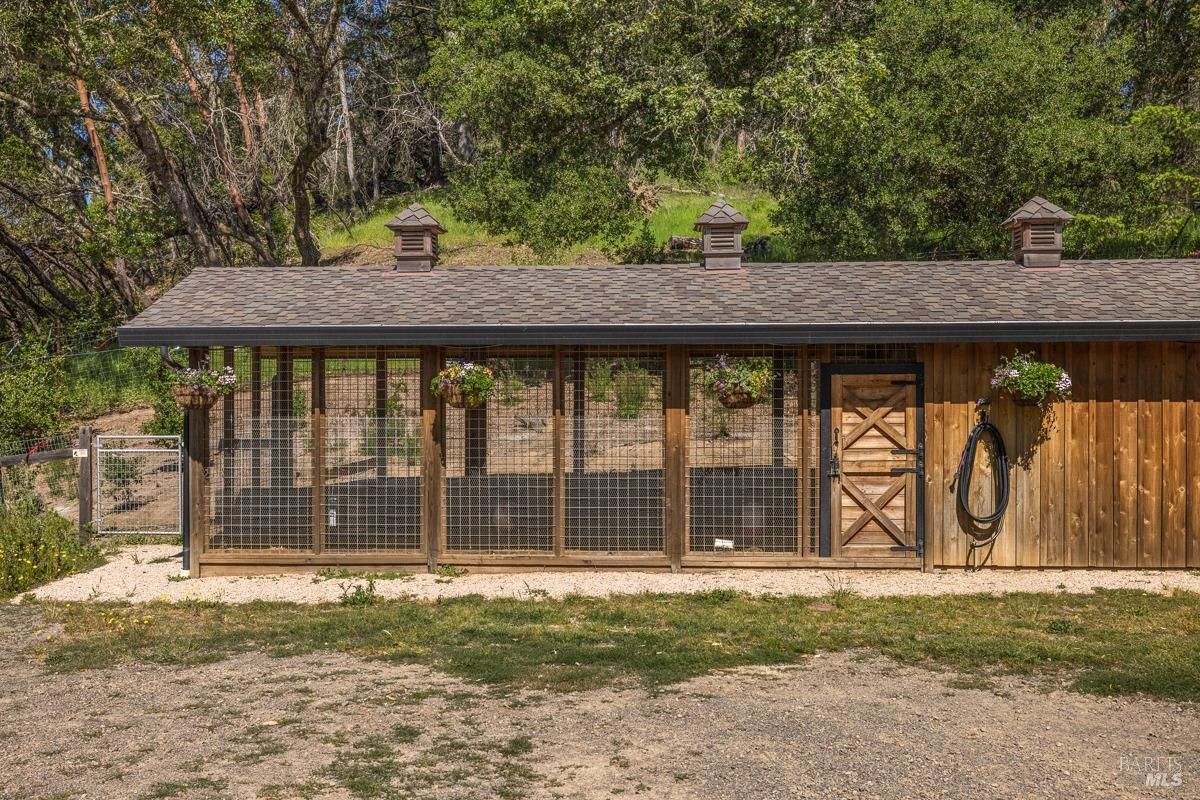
{"x":872,"y":457}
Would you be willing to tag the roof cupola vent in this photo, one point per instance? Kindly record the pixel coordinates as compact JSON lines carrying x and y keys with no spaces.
{"x":721,"y":226}
{"x":1036,"y":229}
{"x":415,"y":233}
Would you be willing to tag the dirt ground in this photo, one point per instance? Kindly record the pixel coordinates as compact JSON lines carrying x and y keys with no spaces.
{"x":146,"y":573}
{"x":332,"y":726}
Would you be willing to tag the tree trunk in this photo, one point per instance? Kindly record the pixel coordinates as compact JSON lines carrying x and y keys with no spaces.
{"x":243,"y":101}
{"x":124,"y":285}
{"x":241,"y":214}
{"x":351,"y":173}
{"x":161,"y":164}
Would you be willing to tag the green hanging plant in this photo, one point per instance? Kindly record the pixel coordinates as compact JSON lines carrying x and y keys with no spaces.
{"x":1030,"y":381}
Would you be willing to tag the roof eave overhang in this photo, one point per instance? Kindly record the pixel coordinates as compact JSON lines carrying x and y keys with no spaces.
{"x":852,"y":332}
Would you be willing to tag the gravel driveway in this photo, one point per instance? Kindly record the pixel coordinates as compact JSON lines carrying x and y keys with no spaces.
{"x":143,"y":574}
{"x":333,"y":726}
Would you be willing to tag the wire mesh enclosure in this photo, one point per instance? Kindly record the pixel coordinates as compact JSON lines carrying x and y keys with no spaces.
{"x":138,"y":485}
{"x":372,"y":456}
{"x":499,"y":474}
{"x":613,"y":450}
{"x":744,"y":468}
{"x":260,"y":465}
{"x":575,"y":454}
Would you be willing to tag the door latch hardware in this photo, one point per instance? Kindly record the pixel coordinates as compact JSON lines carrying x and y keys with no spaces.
{"x":835,"y":465}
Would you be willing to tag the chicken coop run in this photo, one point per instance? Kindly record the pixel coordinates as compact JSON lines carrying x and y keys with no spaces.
{"x":675,"y":416}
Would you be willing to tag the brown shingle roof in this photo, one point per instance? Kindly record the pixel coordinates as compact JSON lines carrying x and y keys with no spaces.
{"x":415,"y":217}
{"x":854,"y":301}
{"x":721,"y":213}
{"x":1037,"y":208}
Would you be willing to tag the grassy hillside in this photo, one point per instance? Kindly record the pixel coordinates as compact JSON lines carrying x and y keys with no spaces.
{"x":468,"y":243}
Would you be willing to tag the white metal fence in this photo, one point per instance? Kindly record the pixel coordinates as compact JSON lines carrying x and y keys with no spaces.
{"x":139,"y":485}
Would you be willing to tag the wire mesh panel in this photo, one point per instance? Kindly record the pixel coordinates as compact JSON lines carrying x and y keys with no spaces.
{"x":500,"y":460}
{"x":874,"y":353}
{"x":613,"y":450}
{"x":34,"y":487}
{"x":372,"y":451}
{"x":743,"y":452}
{"x":138,"y":485}
{"x":260,"y":458}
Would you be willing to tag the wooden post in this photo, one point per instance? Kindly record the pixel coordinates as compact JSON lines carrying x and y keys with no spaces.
{"x":431,"y":457}
{"x":197,"y":467}
{"x":778,"y":408}
{"x":675,"y":392}
{"x":578,"y":412}
{"x":381,"y":398}
{"x":87,"y":472}
{"x":318,"y":450}
{"x":560,"y":477}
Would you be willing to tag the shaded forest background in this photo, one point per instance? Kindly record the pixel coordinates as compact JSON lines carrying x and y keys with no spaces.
{"x":142,"y":138}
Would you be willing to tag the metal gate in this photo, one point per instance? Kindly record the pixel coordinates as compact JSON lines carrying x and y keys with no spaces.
{"x":139,"y":485}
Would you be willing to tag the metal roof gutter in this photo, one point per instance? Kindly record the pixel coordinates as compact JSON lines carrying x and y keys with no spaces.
{"x":839,"y":333}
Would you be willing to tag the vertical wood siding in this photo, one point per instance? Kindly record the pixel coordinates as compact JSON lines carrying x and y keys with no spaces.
{"x":1112,"y":479}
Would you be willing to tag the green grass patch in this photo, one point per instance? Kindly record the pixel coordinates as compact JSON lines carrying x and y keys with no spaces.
{"x":342,"y":573}
{"x":675,"y":215}
{"x":1116,"y":642}
{"x":335,"y":237}
{"x":678,"y":211}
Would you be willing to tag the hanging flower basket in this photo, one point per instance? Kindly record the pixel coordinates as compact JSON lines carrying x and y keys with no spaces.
{"x":194,"y":397}
{"x":201,"y":387}
{"x":739,"y":382}
{"x":456,"y":398}
{"x":736,"y":397}
{"x":1030,"y":382}
{"x":464,"y":384}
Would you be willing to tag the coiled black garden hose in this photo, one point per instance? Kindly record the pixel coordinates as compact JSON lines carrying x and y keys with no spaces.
{"x":989,"y":522}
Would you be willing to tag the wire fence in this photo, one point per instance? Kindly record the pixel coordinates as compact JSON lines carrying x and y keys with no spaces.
{"x":614,"y":451}
{"x":744,"y":463}
{"x":139,"y":485}
{"x":323,"y":449}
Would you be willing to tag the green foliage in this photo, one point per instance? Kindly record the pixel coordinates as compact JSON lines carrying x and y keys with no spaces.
{"x":358,"y":594}
{"x":547,"y":212}
{"x":206,"y":378}
{"x":39,"y":547}
{"x":754,"y":376}
{"x":598,"y":378}
{"x":168,"y":415}
{"x":299,"y":403}
{"x":121,"y":475}
{"x":31,"y":395}
{"x":475,"y":381}
{"x":631,"y":384}
{"x":1023,"y":376}
{"x":20,"y":494}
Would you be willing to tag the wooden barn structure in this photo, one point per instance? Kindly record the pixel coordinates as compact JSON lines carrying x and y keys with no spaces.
{"x":600,"y":446}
